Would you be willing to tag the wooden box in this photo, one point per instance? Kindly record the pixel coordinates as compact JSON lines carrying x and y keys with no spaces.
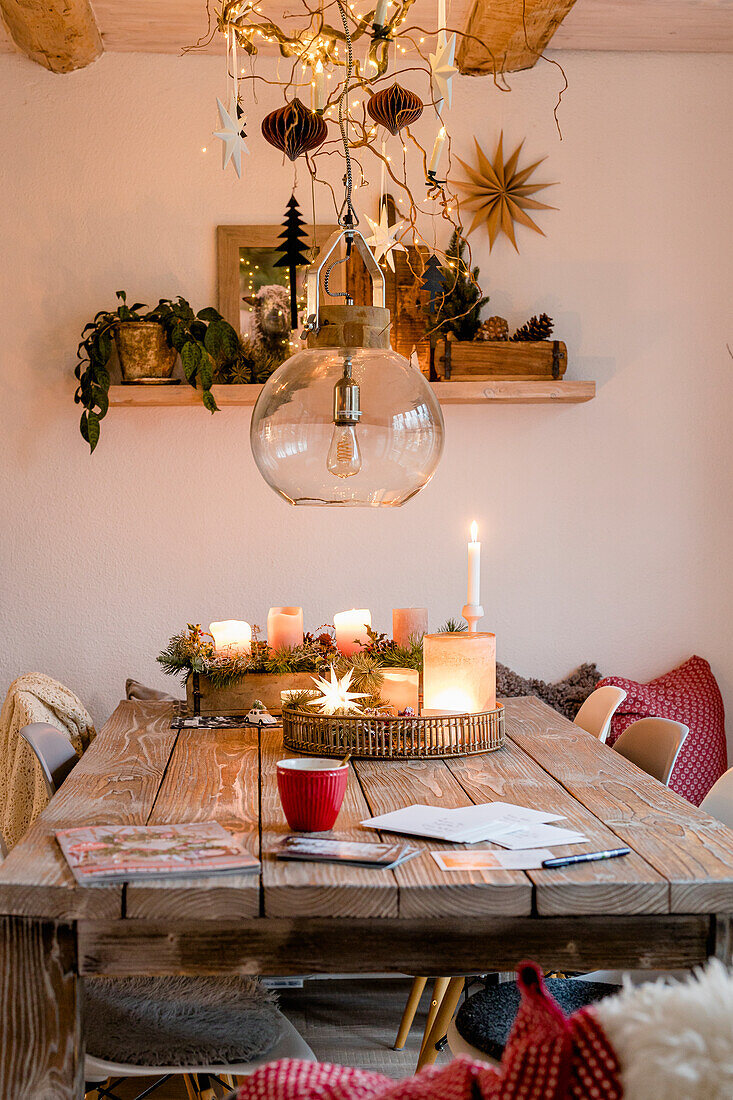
{"x":238,"y":698}
{"x":469,"y":360}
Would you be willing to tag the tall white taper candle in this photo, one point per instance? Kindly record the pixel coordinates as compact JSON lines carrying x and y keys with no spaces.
{"x":474,"y":567}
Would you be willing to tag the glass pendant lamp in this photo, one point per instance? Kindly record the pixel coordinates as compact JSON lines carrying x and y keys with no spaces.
{"x":347,"y":421}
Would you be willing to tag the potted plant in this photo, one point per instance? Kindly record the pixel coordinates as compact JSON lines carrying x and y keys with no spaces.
{"x":147,"y":345}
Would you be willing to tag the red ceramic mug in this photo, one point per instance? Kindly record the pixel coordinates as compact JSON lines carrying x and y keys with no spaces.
{"x":311,"y":791}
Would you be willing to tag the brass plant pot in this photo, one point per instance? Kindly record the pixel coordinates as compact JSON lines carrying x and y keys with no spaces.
{"x":143,"y":351}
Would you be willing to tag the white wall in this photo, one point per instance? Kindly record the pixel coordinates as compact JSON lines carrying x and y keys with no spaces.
{"x":607,"y":526}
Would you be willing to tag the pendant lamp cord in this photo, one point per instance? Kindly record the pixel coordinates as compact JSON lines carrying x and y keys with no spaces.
{"x":347,"y":214}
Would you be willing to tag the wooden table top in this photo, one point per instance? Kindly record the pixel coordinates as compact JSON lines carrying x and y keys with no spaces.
{"x":140,"y":770}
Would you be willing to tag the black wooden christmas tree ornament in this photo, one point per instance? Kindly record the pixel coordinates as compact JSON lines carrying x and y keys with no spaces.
{"x":433,"y":280}
{"x":294,"y":237}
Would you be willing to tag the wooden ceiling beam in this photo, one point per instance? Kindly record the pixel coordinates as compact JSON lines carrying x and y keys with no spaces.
{"x":508,"y":35}
{"x":61,"y":35}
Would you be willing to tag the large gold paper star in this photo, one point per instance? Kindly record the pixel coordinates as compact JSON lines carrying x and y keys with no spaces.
{"x":500,"y":193}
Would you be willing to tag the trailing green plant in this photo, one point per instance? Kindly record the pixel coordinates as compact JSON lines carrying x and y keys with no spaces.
{"x":461,"y":304}
{"x":204,"y":340}
{"x":93,"y":352}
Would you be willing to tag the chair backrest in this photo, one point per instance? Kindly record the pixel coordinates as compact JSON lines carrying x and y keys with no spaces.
{"x":653,"y":744}
{"x":599,"y":708}
{"x":55,"y":753}
{"x":718,"y":802}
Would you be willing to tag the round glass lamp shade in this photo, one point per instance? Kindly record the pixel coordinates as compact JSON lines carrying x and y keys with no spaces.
{"x":381,"y":457}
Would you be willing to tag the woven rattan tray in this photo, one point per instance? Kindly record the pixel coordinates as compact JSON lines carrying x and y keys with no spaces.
{"x":393,"y":738}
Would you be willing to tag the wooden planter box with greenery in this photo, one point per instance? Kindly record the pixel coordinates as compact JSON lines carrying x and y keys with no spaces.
{"x":219,"y":684}
{"x":474,"y":360}
{"x":147,"y":346}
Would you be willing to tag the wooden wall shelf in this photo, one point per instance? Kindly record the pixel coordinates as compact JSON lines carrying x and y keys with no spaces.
{"x":507,"y":392}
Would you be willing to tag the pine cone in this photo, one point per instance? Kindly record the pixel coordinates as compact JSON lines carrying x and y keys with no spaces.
{"x":537,"y":328}
{"x":495,"y":328}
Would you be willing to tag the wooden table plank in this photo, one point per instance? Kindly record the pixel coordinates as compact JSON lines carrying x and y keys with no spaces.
{"x":318,"y":889}
{"x":115,"y":782}
{"x":213,"y":775}
{"x":628,"y":885}
{"x":462,"y":945}
{"x":425,"y":890}
{"x":690,"y":848}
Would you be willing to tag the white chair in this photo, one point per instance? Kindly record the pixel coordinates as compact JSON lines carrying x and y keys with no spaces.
{"x":55,"y":753}
{"x":57,"y":757}
{"x":599,"y":708}
{"x":718,"y":802}
{"x":653,"y":744}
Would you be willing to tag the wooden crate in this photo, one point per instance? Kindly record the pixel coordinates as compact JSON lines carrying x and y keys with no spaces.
{"x":467,"y":360}
{"x":238,"y":698}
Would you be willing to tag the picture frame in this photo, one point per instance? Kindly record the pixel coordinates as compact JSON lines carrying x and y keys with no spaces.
{"x":243,"y":251}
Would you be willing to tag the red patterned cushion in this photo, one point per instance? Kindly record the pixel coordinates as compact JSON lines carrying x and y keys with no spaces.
{"x":547,"y":1057}
{"x":688,"y":694}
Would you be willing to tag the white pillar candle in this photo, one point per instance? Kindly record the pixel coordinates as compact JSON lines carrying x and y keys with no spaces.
{"x":232,"y":637}
{"x":380,"y":15}
{"x":474,"y":568}
{"x":319,"y":87}
{"x":400,"y":688}
{"x":285,"y":627}
{"x":409,"y":622}
{"x":437,"y":150}
{"x":351,"y":634}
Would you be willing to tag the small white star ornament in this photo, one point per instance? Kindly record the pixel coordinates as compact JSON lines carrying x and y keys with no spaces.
{"x":443,"y":69}
{"x":231,"y":135}
{"x":382,"y":241}
{"x":335,"y":694}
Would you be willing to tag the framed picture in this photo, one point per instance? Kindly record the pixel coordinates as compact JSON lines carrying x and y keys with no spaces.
{"x":246,"y":260}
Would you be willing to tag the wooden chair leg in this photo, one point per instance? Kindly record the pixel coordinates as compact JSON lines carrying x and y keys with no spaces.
{"x":439,"y":987}
{"x":443,"y":1017}
{"x":418,"y":984}
{"x":191,"y":1088}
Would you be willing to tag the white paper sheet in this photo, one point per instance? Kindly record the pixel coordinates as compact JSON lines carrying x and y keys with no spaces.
{"x":536,"y":836}
{"x":464,"y":825}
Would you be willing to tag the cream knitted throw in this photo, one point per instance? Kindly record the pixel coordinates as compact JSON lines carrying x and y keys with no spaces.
{"x":33,"y":698}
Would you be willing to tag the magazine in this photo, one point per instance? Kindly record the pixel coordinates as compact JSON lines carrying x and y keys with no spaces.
{"x":343,"y":851}
{"x":115,"y":853}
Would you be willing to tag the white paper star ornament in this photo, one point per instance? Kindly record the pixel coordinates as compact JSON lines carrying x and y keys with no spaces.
{"x":382,"y":241}
{"x":231,"y":135}
{"x":443,"y":69}
{"x":335,"y":695}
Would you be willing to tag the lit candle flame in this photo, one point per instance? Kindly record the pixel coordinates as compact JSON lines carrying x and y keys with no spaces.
{"x":474,"y":532}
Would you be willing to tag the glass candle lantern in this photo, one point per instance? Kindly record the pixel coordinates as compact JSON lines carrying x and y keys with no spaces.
{"x":459,"y":672}
{"x":400,"y":688}
{"x":232,"y":637}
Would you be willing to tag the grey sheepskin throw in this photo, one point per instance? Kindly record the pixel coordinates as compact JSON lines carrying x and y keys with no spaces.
{"x":566,"y":696}
{"x":180,"y":1021}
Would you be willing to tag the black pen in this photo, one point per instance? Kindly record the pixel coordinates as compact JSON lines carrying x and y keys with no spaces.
{"x":585,"y":857}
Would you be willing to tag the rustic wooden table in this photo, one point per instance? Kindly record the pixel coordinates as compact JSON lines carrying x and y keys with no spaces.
{"x":666,"y":905}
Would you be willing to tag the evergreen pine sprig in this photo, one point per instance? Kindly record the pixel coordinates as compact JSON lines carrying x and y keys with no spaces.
{"x":461,"y":305}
